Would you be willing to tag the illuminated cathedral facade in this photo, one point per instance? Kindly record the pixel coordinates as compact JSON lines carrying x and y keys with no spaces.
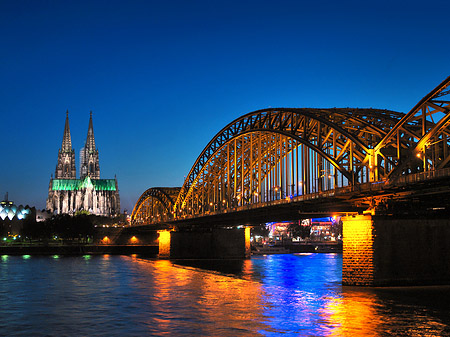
{"x":67,"y":194}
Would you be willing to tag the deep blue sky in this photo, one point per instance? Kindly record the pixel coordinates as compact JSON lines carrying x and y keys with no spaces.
{"x":163,"y":77}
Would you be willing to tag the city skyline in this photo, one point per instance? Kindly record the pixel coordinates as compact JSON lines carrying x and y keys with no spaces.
{"x":163,"y":78}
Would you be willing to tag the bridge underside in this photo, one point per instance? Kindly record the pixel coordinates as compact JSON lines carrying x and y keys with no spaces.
{"x":283,"y":211}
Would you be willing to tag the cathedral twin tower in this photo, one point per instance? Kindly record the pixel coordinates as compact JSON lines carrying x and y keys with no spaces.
{"x":67,"y":194}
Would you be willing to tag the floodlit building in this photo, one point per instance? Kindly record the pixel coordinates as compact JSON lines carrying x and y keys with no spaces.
{"x":8,"y":210}
{"x":67,"y":194}
{"x":12,"y":216}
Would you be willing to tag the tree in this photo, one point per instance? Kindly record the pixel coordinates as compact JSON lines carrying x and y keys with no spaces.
{"x":31,"y":229}
{"x":260,"y":230}
{"x":298,"y":230}
{"x":84,"y":227}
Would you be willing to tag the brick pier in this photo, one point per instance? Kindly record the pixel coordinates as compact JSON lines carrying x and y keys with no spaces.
{"x":390,"y":251}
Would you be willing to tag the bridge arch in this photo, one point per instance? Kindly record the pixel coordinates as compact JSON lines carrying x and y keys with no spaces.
{"x":155,"y":204}
{"x":425,"y":134}
{"x":339,"y":142}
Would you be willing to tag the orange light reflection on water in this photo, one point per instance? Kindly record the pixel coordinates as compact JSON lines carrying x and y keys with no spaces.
{"x":276,"y":295}
{"x":362,"y":312}
{"x":222,"y":302}
{"x":355,"y":315}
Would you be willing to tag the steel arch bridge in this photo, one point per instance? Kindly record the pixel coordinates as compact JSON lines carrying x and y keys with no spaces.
{"x":155,"y":205}
{"x":286,"y":153}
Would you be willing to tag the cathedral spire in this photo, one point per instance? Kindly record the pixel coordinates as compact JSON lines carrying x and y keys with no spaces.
{"x":65,"y":169}
{"x":89,"y":155}
{"x":90,"y":140}
{"x":67,"y":141}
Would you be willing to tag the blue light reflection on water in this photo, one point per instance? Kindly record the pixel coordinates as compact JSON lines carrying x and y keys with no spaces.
{"x":289,"y":295}
{"x":296,"y":287}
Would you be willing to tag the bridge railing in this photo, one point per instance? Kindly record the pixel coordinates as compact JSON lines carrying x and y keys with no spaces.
{"x":287,"y":200}
{"x":423,"y":176}
{"x":360,"y":188}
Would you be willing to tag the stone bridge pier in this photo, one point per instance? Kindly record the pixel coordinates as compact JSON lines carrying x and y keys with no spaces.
{"x":203,"y":243}
{"x":394,"y":251}
{"x":377,"y":250}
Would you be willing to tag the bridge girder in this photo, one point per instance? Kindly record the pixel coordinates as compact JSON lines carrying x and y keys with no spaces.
{"x":341,"y":137}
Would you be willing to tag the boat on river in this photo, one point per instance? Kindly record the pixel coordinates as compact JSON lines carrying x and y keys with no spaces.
{"x":265,"y":250}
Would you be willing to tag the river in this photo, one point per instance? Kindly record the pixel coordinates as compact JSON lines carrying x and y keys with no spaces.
{"x":274,"y":295}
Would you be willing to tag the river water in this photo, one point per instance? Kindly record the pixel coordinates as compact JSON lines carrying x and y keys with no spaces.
{"x":288,"y":295}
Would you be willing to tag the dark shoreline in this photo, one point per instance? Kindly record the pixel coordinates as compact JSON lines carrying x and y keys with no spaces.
{"x":79,"y":250}
{"x":143,"y":250}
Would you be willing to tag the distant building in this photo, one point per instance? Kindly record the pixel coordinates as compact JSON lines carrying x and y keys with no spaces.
{"x":325,"y":229}
{"x":8,"y":210}
{"x":12,"y":216}
{"x":43,"y":215}
{"x":67,"y":194}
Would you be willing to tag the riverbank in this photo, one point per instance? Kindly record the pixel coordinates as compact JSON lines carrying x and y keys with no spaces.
{"x":79,"y":250}
{"x":315,"y":247}
{"x":153,"y":250}
{"x":298,"y":247}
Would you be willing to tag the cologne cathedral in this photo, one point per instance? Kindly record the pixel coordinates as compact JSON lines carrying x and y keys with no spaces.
{"x":67,"y":194}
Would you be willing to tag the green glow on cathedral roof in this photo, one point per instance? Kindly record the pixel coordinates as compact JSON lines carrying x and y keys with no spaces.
{"x":104,"y":184}
{"x":78,"y":184}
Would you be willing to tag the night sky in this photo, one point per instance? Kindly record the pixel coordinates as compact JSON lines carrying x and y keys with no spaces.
{"x":163,"y":77}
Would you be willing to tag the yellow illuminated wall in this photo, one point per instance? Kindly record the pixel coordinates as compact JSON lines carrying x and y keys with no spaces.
{"x":134,"y":240}
{"x":164,"y":244}
{"x":106,"y":240}
{"x":358,"y":250}
{"x":248,"y":251}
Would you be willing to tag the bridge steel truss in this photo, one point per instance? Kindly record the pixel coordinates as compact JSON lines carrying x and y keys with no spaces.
{"x":419,"y":142}
{"x":285,"y":153}
{"x":155,"y":205}
{"x":272,"y":154}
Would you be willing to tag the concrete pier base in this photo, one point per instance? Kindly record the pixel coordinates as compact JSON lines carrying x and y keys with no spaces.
{"x":393,"y":251}
{"x":205,"y":244}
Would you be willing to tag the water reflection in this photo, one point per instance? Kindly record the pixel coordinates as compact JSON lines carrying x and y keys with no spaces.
{"x":347,"y":314}
{"x":305,"y":297}
{"x":195,"y":301}
{"x":388,"y":312}
{"x":292,"y":295}
{"x":296,"y":288}
{"x":224,"y":267}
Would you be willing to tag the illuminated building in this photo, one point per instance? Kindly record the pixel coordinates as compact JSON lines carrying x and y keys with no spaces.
{"x":11,"y":216}
{"x":326,"y":229}
{"x":9,"y":210}
{"x":67,"y":194}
